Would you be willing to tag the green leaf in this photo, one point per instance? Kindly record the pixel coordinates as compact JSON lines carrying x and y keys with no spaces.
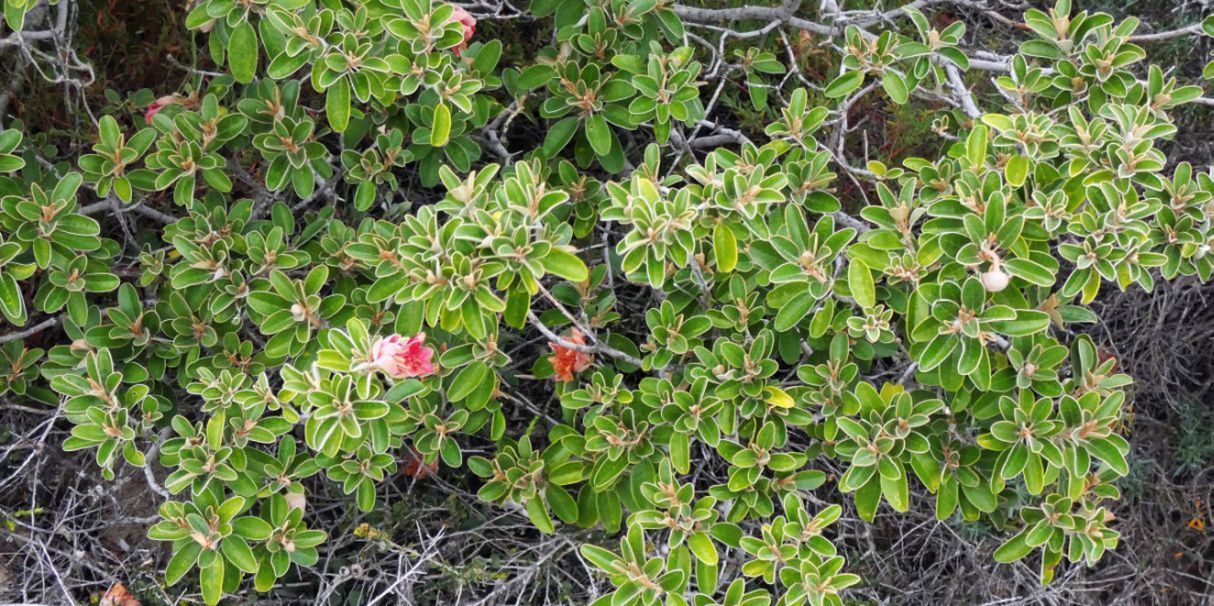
{"x":975,"y":146}
{"x":566,"y":265}
{"x":1027,"y":322}
{"x":243,"y":52}
{"x":1041,"y":48}
{"x":895,"y":86}
{"x":758,"y":96}
{"x":107,"y":127}
{"x":1017,"y":170}
{"x":725,"y":247}
{"x":599,"y":134}
{"x":182,"y":561}
{"x":1034,"y":474}
{"x":365,"y":497}
{"x":252,"y":528}
{"x":12,"y":304}
{"x":337,"y":105}
{"x":237,"y":551}
{"x":10,"y":164}
{"x":538,"y":512}
{"x":779,"y":398}
{"x":562,"y":504}
{"x":14,"y":15}
{"x":1030,"y":271}
{"x":703,"y":547}
{"x":946,"y":499}
{"x":793,"y":312}
{"x":896,"y":490}
{"x":404,"y":389}
{"x":868,"y":497}
{"x":1106,"y":451}
{"x":467,"y":381}
{"x":1014,"y":549}
{"x":66,"y":188}
{"x":451,"y":453}
{"x":440,"y":130}
{"x":606,"y":470}
{"x":211,"y":582}
{"x":602,"y":558}
{"x":535,"y":76}
{"x":937,"y":351}
{"x":981,"y":497}
{"x":558,"y":136}
{"x":265,"y":578}
{"x":860,"y":281}
{"x":845,"y":84}
{"x":680,"y":452}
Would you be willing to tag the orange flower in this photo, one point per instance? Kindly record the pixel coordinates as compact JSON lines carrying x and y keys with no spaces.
{"x":566,"y":360}
{"x":118,"y":595}
{"x":416,"y":465}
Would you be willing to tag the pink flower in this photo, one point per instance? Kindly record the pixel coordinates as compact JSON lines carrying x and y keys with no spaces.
{"x":158,"y":105}
{"x":469,"y":23}
{"x":402,"y":358}
{"x":566,"y":360}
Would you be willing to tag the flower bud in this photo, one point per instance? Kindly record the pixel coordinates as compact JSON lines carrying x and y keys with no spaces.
{"x":296,"y":500}
{"x":995,"y":280}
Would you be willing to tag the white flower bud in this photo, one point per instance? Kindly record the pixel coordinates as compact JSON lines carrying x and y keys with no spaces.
{"x":995,"y":280}
{"x":296,"y":500}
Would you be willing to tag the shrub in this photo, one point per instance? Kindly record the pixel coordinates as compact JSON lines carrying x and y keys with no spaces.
{"x":299,"y":315}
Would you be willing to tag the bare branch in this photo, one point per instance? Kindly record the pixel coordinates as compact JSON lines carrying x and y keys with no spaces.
{"x":33,"y":330}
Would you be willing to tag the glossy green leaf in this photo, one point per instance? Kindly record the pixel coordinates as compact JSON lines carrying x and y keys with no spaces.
{"x":243,"y":52}
{"x":440,"y":130}
{"x":566,"y":265}
{"x":860,"y":282}
{"x":725,"y":247}
{"x":844,"y":84}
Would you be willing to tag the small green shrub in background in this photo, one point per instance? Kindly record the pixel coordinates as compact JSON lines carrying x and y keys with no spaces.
{"x":289,"y":320}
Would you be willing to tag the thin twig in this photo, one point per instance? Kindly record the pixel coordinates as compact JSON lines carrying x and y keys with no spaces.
{"x":33,"y":330}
